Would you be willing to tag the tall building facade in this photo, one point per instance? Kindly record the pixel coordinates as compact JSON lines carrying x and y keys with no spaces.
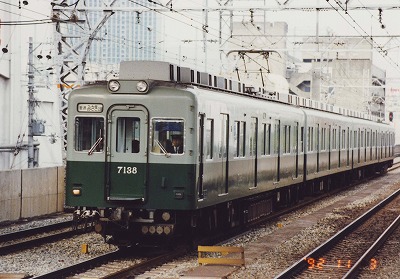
{"x":127,"y":35}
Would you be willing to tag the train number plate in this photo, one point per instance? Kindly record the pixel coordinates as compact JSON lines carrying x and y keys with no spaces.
{"x":127,"y":170}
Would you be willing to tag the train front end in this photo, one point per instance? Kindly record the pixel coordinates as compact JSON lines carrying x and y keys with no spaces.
{"x":130,"y":161}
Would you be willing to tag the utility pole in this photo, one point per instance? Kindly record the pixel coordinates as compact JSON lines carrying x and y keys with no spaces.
{"x":31,"y":106}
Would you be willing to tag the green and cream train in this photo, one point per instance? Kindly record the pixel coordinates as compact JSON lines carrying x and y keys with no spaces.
{"x":244,"y":152}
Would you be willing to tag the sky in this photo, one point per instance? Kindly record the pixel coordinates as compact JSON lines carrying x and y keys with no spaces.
{"x":180,"y":26}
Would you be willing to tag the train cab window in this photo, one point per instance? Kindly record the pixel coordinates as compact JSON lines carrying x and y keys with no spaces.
{"x":128,"y":135}
{"x":89,"y":132}
{"x":167,"y":136}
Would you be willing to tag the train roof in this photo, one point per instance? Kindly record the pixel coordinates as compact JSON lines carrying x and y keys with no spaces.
{"x":167,"y":72}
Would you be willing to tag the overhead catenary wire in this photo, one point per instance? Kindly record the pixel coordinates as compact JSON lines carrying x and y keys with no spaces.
{"x":191,"y":19}
{"x":241,"y":44}
{"x":364,"y":34}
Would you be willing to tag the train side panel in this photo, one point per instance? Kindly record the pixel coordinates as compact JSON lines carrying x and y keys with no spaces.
{"x":256,"y":148}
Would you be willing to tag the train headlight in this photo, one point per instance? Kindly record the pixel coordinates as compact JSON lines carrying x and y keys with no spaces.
{"x":114,"y":85}
{"x":76,"y":191}
{"x":142,"y":86}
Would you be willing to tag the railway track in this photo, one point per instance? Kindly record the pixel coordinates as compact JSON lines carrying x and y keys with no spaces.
{"x":115,"y":264}
{"x":353,"y":247}
{"x":118,"y":264}
{"x":319,"y":197}
{"x":24,"y":239}
{"x":122,"y":269}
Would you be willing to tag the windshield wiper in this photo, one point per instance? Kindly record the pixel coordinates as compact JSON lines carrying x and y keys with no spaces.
{"x":98,"y":141}
{"x":162,"y":148}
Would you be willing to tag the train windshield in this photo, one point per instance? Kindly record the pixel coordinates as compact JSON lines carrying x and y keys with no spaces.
{"x":167,"y":136}
{"x":128,"y":135}
{"x":89,"y":133}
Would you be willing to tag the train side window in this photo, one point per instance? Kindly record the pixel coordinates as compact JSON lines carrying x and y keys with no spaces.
{"x":302,"y":139}
{"x":334,"y":139}
{"x":323,"y":139}
{"x":343,"y":139}
{"x":310,"y":139}
{"x":329,"y":144}
{"x":266,"y":147}
{"x":89,"y":132}
{"x":209,"y":137}
{"x":224,"y":137}
{"x":239,"y":138}
{"x":236,"y":136}
{"x":368,"y":137}
{"x":350,"y":139}
{"x":128,"y":135}
{"x":355,"y":139}
{"x":253,"y":136}
{"x":167,"y":136}
{"x":362,"y":139}
{"x":286,"y":139}
{"x":277,"y":137}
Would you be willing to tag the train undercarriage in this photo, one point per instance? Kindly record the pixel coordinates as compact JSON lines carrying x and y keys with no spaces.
{"x":129,"y":227}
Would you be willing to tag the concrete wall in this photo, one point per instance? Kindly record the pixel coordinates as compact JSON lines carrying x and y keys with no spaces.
{"x":31,"y":192}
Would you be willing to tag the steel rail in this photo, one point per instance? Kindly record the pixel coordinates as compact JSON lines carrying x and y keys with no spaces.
{"x":302,"y":264}
{"x":367,"y":256}
{"x":85,"y":265}
{"x":144,"y":266}
{"x":39,"y":240}
{"x":29,"y":232}
{"x":133,"y":270}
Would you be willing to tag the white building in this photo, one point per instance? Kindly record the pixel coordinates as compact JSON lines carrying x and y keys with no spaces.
{"x":14,"y":43}
{"x":340,"y":71}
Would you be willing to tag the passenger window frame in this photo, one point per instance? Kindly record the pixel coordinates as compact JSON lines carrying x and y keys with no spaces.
{"x":162,"y":148}
{"x":93,"y":141}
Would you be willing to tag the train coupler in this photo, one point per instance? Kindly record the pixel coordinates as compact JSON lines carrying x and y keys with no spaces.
{"x":84,"y":219}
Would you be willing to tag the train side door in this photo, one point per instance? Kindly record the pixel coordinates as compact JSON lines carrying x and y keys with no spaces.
{"x":127,"y":153}
{"x":201,"y":156}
